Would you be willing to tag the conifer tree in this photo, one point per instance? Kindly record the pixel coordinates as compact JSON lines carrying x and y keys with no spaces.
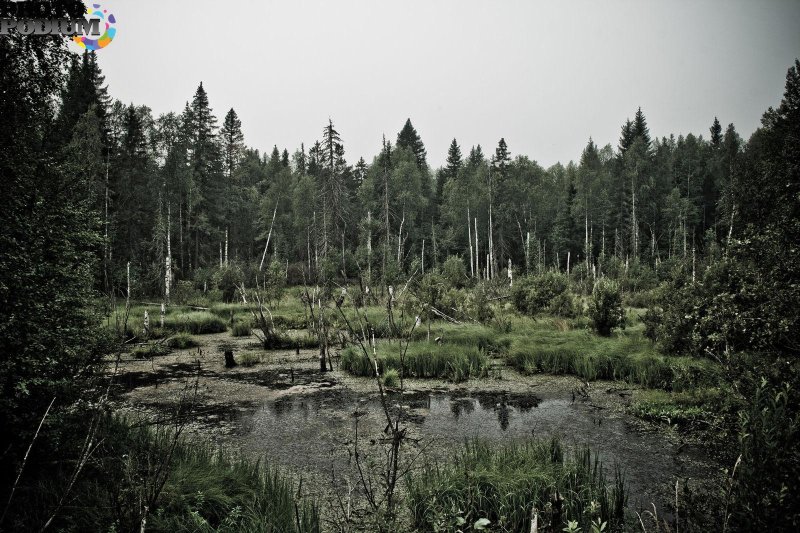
{"x":454,"y":161}
{"x":716,"y":134}
{"x":232,"y":142}
{"x":409,"y":138}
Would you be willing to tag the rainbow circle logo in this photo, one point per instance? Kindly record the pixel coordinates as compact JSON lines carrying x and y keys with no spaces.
{"x":96,"y":11}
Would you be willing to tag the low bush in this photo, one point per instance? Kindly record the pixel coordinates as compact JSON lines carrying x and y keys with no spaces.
{"x":565,"y":305}
{"x":391,"y":378}
{"x":500,"y":486}
{"x":241,"y":329}
{"x":605,"y":307}
{"x":533,"y":294}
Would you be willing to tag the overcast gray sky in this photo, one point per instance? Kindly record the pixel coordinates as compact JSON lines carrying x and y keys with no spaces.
{"x":544,"y":75}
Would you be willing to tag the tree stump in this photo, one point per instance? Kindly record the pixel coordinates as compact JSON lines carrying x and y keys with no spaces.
{"x":229,"y":360}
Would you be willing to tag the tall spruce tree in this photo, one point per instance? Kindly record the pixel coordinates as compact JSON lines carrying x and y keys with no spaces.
{"x":409,"y":138}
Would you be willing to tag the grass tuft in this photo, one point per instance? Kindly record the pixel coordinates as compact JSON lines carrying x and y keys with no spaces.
{"x":423,"y":360}
{"x":503,"y":484}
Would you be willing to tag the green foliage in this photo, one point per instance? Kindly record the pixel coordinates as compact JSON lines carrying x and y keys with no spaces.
{"x":565,"y":305}
{"x":422,"y":360}
{"x":533,"y":295}
{"x":228,"y":279}
{"x":605,"y":308}
{"x":241,"y":328}
{"x":763,"y":494}
{"x":694,"y":408}
{"x":455,"y":272}
{"x":486,"y":484}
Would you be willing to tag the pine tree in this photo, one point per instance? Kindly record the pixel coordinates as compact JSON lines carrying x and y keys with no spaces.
{"x":232,"y":142}
{"x":716,"y":134}
{"x":640,"y":128}
{"x":360,"y":172}
{"x":501,"y":159}
{"x":627,"y":137}
{"x":206,"y":164}
{"x":409,"y":138}
{"x":475,"y":158}
{"x":285,"y":158}
{"x":454,"y":162}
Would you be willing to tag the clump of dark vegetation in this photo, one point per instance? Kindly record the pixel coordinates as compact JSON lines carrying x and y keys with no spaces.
{"x":195,"y":322}
{"x":504,"y":487}
{"x":188,"y":487}
{"x":534,"y":294}
{"x":181,"y":341}
{"x":446,"y":361}
{"x":605,"y":308}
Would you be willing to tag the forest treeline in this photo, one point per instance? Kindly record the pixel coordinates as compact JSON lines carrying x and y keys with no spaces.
{"x":185,"y":185}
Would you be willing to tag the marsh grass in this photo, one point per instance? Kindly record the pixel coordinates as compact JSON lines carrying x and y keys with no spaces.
{"x":195,"y":322}
{"x":505,"y":483}
{"x":248,"y":359}
{"x":181,"y":341}
{"x":625,"y":357}
{"x":149,"y":350}
{"x":484,"y":338}
{"x":205,"y":490}
{"x":241,"y":328}
{"x":701,"y":405}
{"x":423,"y":360}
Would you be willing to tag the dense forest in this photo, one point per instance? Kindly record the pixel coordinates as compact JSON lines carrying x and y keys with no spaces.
{"x":185,"y":185}
{"x":104,"y":202}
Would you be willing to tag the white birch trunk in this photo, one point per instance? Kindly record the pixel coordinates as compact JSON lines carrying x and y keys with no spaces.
{"x":469,"y":241}
{"x":269,"y":236}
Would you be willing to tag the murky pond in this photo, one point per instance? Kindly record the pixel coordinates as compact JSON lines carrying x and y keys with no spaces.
{"x":305,"y":421}
{"x":312,"y":430}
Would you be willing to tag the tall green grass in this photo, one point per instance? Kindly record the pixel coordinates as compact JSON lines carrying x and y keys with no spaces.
{"x":423,"y":360}
{"x":204,"y":489}
{"x":627,"y":357}
{"x":195,"y":322}
{"x":481,"y":337}
{"x":504,"y":483}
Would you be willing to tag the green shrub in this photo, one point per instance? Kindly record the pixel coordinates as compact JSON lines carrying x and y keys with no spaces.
{"x":503,"y":484}
{"x":391,"y":378}
{"x":565,"y":305}
{"x":455,"y":272}
{"x":605,"y":307}
{"x":241,"y":329}
{"x":533,"y":294}
{"x":181,"y":341}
